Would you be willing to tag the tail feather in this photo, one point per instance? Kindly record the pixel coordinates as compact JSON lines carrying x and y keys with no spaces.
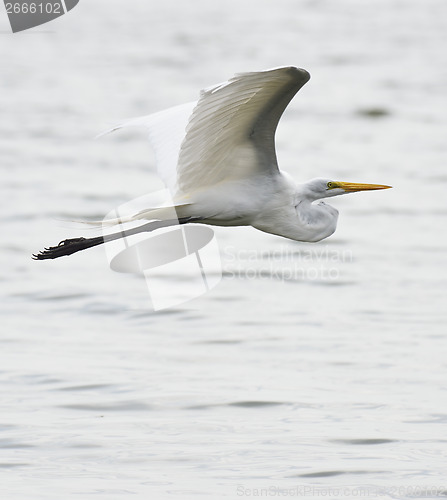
{"x":160,"y":213}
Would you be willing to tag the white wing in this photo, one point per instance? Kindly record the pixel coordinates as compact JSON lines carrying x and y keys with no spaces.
{"x":228,"y":134}
{"x":166,"y":132}
{"x":231,"y":133}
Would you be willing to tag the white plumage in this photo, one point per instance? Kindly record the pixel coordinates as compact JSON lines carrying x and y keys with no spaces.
{"x":217,"y":156}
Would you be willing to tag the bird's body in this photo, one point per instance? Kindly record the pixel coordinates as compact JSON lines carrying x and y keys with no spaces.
{"x":217,"y":156}
{"x":277,"y":208}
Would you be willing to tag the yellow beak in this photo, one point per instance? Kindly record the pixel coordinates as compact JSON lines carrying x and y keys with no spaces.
{"x":351,"y":187}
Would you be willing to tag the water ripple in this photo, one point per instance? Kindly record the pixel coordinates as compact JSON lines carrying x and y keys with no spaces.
{"x":238,"y":404}
{"x":89,"y":387}
{"x":366,"y":441}
{"x":106,"y":407}
{"x":332,"y":473}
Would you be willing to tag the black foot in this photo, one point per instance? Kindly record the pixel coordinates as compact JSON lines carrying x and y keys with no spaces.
{"x":67,"y":247}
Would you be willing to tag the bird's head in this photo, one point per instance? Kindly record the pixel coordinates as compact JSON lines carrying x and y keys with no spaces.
{"x":325,"y":188}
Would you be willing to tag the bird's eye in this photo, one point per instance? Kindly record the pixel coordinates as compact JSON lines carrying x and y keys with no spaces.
{"x":330,"y":185}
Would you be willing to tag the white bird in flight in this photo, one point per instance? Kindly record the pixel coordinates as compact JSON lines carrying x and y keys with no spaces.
{"x":217,"y":156}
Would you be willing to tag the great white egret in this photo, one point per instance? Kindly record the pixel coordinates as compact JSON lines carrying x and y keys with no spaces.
{"x":217,"y":155}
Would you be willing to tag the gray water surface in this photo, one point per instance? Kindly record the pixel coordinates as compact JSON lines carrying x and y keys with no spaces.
{"x":310,"y":370}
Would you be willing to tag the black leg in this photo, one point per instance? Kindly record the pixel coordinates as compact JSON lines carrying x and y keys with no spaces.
{"x":73,"y":245}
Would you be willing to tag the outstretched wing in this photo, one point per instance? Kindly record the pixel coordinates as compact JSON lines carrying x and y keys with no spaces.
{"x":231,"y":133}
{"x":166,"y":132}
{"x":228,"y":134}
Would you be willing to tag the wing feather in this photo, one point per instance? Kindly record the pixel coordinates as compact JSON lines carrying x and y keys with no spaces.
{"x":228,"y":134}
{"x":231,"y":132}
{"x":166,"y":132}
